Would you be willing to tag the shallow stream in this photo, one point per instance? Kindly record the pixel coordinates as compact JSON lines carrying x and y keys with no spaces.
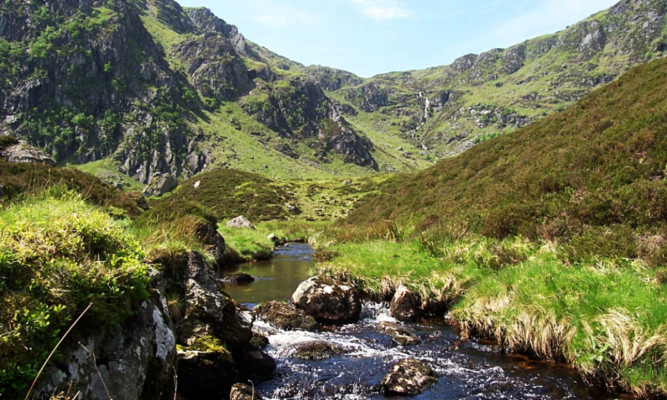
{"x":471,"y":369}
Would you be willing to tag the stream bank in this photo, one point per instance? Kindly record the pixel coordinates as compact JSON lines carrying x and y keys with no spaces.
{"x":356,"y":357}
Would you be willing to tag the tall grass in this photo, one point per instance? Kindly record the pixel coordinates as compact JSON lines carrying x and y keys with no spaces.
{"x":606,"y":318}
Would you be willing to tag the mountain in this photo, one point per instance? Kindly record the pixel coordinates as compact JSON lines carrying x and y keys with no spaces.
{"x":446,"y":110}
{"x":592,"y":176}
{"x":149,"y":88}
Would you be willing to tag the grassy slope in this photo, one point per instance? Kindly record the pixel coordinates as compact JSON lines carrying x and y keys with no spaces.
{"x":57,"y":254}
{"x":586,"y":188}
{"x":596,"y":166}
{"x":19,"y":180}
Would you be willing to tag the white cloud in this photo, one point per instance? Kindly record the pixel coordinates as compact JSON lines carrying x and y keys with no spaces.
{"x":283,"y":17}
{"x":383,"y":9}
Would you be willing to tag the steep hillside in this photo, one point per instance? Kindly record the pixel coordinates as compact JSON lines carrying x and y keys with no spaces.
{"x":593,"y":175}
{"x":446,"y":110}
{"x":148,"y":88}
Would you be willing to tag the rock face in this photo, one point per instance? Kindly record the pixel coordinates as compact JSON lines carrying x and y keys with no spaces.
{"x":285,"y":316}
{"x":408,"y":377}
{"x":240,"y":222}
{"x":160,"y":184}
{"x":328,"y":300}
{"x":24,"y":153}
{"x":214,"y":332}
{"x":405,"y":305}
{"x":133,"y":361}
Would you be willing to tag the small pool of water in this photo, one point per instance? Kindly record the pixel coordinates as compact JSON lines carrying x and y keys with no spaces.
{"x":275,"y":279}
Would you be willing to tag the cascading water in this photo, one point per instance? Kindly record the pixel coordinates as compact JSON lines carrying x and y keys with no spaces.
{"x":363,"y":355}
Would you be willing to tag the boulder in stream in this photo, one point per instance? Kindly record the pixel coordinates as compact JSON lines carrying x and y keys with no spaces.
{"x":319,"y":350}
{"x":238,"y":279}
{"x":285,"y":316}
{"x":400,"y":334}
{"x":328,"y":300}
{"x":408,"y":377}
{"x":405,"y":305}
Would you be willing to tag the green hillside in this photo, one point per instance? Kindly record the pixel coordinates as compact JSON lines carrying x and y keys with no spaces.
{"x":550,"y":240}
{"x":591,"y":175}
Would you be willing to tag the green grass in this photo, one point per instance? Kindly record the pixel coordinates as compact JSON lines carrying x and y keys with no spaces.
{"x":57,"y":254}
{"x":591,"y":176}
{"x":107,"y":170}
{"x":607,"y":319}
{"x":20,"y":180}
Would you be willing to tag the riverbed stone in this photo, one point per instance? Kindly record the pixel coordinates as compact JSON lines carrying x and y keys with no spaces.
{"x":285,"y":316}
{"x":238,"y":279}
{"x":405,"y":305}
{"x":408,"y":377}
{"x":241,"y":391}
{"x":318,"y":350}
{"x":400,"y":334}
{"x":328,"y":300}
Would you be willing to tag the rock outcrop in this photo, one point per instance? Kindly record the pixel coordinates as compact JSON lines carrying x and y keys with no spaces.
{"x":215,"y":332}
{"x":160,"y":184}
{"x":136,"y":360}
{"x":240,"y":222}
{"x":408,"y":377}
{"x":25,"y":153}
{"x":328,"y":301}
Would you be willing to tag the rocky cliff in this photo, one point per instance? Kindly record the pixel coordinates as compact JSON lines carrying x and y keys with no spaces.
{"x":158,"y":89}
{"x":129,"y":81}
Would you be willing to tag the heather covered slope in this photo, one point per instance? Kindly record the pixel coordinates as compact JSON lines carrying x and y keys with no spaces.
{"x":593,"y":175}
{"x":550,"y":240}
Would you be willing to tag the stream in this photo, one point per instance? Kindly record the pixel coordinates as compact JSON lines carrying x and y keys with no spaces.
{"x":472,"y":369}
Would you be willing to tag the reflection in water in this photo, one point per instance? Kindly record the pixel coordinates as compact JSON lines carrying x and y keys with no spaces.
{"x":276,"y":279}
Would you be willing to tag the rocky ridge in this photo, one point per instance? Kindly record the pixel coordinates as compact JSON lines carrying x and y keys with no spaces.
{"x":164,"y":90}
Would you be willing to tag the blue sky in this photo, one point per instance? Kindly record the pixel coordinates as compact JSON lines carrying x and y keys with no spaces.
{"x":369,"y":37}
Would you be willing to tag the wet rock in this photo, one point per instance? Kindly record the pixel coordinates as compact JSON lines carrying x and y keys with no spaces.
{"x":328,"y":301}
{"x":259,"y":341}
{"x":285,"y":316}
{"x":241,"y":391}
{"x":160,"y":184}
{"x":400,"y":334}
{"x":240,"y":222}
{"x":238,"y":279}
{"x":315,"y":351}
{"x":206,"y":374}
{"x":408,"y":377}
{"x":405,"y":305}
{"x":256,"y":365}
